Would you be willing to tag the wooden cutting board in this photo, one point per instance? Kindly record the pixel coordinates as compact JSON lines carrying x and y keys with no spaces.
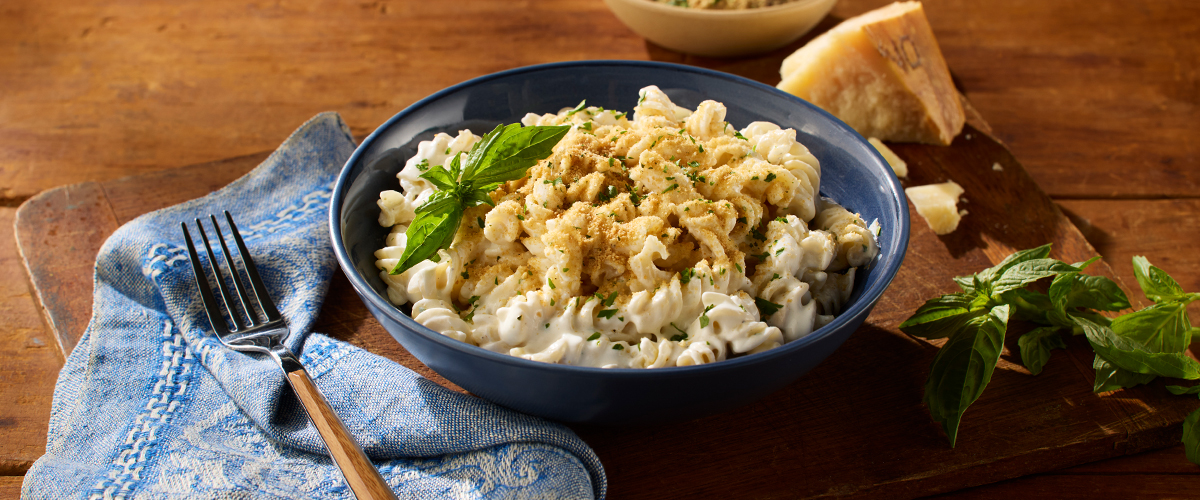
{"x":854,"y":426}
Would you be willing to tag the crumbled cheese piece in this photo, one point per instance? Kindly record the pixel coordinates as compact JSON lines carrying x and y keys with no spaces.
{"x":996,"y":166}
{"x":883,"y":74}
{"x":898,"y":165}
{"x":936,"y":204}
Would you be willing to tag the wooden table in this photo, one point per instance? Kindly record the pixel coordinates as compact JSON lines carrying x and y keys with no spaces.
{"x":1098,"y":100}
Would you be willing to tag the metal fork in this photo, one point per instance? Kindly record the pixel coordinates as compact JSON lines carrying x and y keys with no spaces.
{"x":266,"y":336}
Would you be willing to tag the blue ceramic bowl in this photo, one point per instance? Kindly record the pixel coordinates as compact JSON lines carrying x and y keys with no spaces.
{"x":853,"y":173}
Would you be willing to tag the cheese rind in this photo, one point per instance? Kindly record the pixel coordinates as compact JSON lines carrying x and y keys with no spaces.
{"x":936,"y":204}
{"x":883,"y":74}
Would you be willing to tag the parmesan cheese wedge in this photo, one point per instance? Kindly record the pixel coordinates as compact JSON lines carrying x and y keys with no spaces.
{"x":883,"y":74}
{"x":936,"y":204}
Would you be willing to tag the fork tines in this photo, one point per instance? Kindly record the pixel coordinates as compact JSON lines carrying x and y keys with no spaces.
{"x":210,"y":303}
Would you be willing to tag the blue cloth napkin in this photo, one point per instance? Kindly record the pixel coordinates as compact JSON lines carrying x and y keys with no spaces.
{"x":151,"y":405}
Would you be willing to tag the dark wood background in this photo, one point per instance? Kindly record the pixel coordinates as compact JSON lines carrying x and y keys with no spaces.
{"x":1098,"y":101}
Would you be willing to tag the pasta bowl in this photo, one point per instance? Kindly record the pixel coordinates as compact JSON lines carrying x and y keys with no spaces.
{"x":718,"y":32}
{"x":853,"y":173}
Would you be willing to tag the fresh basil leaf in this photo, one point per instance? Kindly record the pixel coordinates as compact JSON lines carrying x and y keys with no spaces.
{"x":1131,"y":355}
{"x":1180,"y":390}
{"x":967,"y":283}
{"x":489,"y":187}
{"x":981,"y":302}
{"x":1028,"y":305}
{"x":503,"y":154}
{"x":940,"y":317}
{"x":455,"y":167}
{"x":1083,"y":265}
{"x":1161,"y":327}
{"x":1110,"y":377}
{"x":475,"y":155}
{"x":510,"y":153}
{"x":436,"y":199}
{"x":1062,"y":319}
{"x":1156,"y":284}
{"x":476,"y":197}
{"x":963,"y":367}
{"x":1026,"y":272}
{"x":988,"y":275}
{"x":1090,"y":316}
{"x":440,"y":178}
{"x":1191,"y":437}
{"x":1036,"y":346}
{"x":432,"y":230}
{"x":1074,"y":290}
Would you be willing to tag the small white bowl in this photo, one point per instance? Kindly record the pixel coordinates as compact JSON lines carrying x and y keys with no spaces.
{"x":720,"y":33}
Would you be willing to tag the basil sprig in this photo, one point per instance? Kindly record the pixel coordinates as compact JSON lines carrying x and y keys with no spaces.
{"x":504,"y":154}
{"x":1132,"y":349}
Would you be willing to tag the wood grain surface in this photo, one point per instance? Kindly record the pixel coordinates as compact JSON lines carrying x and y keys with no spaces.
{"x":29,"y":362}
{"x":1098,"y":100}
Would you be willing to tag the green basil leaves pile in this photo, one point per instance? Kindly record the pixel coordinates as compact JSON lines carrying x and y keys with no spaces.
{"x":1132,"y":349}
{"x":504,"y":154}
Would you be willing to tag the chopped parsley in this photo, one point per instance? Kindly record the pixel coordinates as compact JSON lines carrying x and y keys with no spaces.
{"x":579,"y":107}
{"x":704,"y":316}
{"x":634,"y":196}
{"x":607,"y":193}
{"x":471,"y":303}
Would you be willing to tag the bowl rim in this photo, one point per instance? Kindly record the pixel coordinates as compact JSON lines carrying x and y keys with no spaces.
{"x":866,"y":299}
{"x":672,"y":10}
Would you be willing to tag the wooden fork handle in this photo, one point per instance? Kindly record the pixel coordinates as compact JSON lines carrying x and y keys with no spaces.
{"x":360,"y":474}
